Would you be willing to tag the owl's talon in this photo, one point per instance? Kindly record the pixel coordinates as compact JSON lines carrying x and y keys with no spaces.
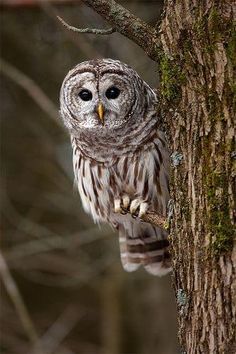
{"x":124,"y":211}
{"x":137,"y":207}
{"x":121,"y":205}
{"x":126,"y":201}
{"x":143,"y":209}
{"x":117,"y":206}
{"x":134,"y":205}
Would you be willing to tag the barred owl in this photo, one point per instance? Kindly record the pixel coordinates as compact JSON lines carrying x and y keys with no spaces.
{"x":120,"y":156}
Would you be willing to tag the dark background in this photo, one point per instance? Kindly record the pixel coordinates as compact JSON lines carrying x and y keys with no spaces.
{"x":67,"y":269}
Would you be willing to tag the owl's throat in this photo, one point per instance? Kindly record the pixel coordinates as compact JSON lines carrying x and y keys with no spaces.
{"x":101,"y":144}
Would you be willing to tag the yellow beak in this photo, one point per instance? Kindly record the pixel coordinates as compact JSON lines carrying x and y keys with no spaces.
{"x":100,"y":111}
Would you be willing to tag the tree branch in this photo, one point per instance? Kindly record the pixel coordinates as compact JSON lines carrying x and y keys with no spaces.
{"x":127,"y":24}
{"x":54,"y":336}
{"x":31,"y":88}
{"x":152,"y":218}
{"x":46,"y":244}
{"x":17,"y":300}
{"x":156,"y":220}
{"x":86,"y":30}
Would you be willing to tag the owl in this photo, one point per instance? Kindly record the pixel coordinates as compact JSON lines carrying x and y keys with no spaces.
{"x":120,"y":156}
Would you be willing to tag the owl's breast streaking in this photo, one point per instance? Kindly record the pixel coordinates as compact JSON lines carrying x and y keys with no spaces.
{"x":141,"y":173}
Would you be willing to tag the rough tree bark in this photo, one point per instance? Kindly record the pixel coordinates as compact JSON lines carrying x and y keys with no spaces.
{"x":198,"y":41}
{"x":195,"y":51}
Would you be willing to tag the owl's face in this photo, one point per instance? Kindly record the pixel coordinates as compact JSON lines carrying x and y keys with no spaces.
{"x":102,"y":95}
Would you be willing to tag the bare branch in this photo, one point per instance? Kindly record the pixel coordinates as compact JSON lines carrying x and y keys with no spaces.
{"x":83,"y":44}
{"x":156,"y":220}
{"x":127,"y":24}
{"x":54,"y":336}
{"x":86,"y":30}
{"x":47,"y":244}
{"x":152,"y":218}
{"x":17,"y":300}
{"x":32,"y":89}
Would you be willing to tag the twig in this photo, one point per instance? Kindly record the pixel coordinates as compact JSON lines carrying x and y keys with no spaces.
{"x":156,"y":220}
{"x":87,"y":30}
{"x":83,"y":44}
{"x":17,"y":300}
{"x":127,"y":24}
{"x":52,"y":339}
{"x":83,"y":275}
{"x":46,"y":244}
{"x":152,"y":218}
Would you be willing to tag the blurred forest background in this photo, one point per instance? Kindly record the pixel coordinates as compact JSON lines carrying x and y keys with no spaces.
{"x":67,"y":269}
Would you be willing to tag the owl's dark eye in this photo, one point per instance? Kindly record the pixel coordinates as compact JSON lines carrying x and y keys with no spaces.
{"x":112,"y":92}
{"x":85,"y":95}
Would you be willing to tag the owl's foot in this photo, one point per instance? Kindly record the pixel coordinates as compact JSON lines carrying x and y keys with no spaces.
{"x":137,"y":207}
{"x":121,"y":205}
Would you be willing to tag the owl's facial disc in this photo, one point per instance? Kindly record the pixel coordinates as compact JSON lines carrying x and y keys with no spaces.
{"x":98,"y":100}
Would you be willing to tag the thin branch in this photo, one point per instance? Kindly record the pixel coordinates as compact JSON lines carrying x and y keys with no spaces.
{"x":127,"y":24}
{"x":84,"y":274}
{"x":159,"y":220}
{"x":31,"y":88}
{"x":152,"y":218}
{"x":83,"y":44}
{"x":17,"y":300}
{"x":156,"y":220}
{"x":86,"y":30}
{"x":47,"y":244}
{"x":54,"y":336}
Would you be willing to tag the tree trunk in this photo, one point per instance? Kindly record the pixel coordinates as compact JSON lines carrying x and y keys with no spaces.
{"x":197,"y":88}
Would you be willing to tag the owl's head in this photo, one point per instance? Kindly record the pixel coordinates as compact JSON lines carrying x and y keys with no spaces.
{"x":102,"y":95}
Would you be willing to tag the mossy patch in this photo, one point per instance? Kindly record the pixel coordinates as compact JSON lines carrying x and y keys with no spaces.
{"x":220,"y":224}
{"x":172,"y":77}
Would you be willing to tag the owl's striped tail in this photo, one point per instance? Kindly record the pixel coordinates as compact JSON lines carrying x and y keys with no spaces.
{"x":143,"y":244}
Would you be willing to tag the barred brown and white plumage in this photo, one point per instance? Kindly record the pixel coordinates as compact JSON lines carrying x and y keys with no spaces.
{"x":120,"y":156}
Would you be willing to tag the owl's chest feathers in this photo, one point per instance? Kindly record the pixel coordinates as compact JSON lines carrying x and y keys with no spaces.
{"x":141,"y":173}
{"x":106,"y":145}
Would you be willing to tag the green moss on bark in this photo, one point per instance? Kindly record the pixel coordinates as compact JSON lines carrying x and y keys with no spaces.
{"x":220,"y":224}
{"x":172,"y":77}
